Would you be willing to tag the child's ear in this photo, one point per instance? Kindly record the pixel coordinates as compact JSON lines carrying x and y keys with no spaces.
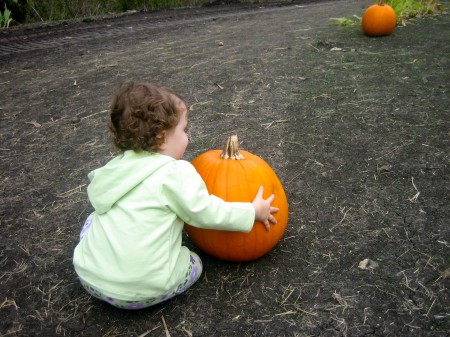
{"x":163,"y":144}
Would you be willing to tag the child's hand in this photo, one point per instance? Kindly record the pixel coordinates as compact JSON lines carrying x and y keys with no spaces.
{"x":263,"y":210}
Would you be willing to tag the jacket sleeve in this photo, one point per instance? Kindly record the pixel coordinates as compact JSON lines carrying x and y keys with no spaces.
{"x":185,"y":193}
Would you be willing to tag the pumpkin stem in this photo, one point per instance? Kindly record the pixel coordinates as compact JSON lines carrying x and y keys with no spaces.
{"x":382,"y":2}
{"x":231,"y":149}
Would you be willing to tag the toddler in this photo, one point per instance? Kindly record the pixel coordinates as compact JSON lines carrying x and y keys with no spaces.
{"x":130,"y":252}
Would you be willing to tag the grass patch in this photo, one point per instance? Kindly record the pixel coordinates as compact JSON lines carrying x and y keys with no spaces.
{"x":25,"y":11}
{"x":404,"y":9}
{"x":5,"y":18}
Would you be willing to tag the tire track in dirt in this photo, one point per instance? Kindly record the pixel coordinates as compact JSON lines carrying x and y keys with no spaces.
{"x":44,"y":37}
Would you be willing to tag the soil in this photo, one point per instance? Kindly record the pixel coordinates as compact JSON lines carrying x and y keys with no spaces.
{"x":355,"y":127}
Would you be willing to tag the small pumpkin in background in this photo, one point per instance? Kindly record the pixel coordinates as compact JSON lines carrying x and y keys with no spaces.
{"x":235,"y":176}
{"x":379,"y":19}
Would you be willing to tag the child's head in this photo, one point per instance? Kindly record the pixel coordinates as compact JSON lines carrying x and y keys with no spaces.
{"x":141,"y":113}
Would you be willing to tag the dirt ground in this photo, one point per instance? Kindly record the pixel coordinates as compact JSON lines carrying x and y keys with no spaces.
{"x":357,"y":129}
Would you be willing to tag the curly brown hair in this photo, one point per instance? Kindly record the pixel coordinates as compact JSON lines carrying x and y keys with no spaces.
{"x":140,"y":112}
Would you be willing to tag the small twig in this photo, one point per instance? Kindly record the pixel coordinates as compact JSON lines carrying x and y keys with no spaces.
{"x":318,"y":163}
{"x":290,"y":312}
{"x":227,"y":114}
{"x":342,"y":220}
{"x":406,"y":281}
{"x":34,"y":10}
{"x":56,"y":285}
{"x":305,"y":312}
{"x":165,"y":327}
{"x":7,"y":303}
{"x":286,"y":298}
{"x":295,"y":177}
{"x":393,"y":150}
{"x":414,"y":198}
{"x":345,"y":215}
{"x":64,"y":194}
{"x":147,"y":332}
{"x":412,"y":326}
{"x":276,"y":122}
{"x":97,"y":113}
{"x":430,"y":307}
{"x":313,"y":47}
{"x":197,"y":64}
{"x":444,"y":243}
{"x":106,"y":65}
{"x":295,"y":143}
{"x":13,"y":331}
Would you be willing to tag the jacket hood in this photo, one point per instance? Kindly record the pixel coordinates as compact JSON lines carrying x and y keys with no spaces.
{"x":121,"y":175}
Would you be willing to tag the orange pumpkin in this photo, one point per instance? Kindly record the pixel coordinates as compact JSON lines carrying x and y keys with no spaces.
{"x":379,"y":20}
{"x":235,"y":175}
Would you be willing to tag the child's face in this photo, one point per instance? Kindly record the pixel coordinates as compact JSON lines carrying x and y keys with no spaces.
{"x":176,"y":139}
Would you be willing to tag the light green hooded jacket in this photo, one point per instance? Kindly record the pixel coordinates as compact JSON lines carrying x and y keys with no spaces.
{"x":133,"y":249}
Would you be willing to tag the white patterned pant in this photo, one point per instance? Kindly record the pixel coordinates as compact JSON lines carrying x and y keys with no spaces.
{"x":192,"y":275}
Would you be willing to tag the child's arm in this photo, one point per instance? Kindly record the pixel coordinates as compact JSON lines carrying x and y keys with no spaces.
{"x":185,"y":193}
{"x":263,"y":209}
